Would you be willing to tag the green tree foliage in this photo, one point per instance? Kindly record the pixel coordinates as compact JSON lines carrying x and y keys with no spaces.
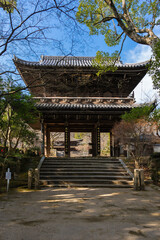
{"x":120,"y":18}
{"x":78,"y":135}
{"x":104,"y":62}
{"x":138,"y":113}
{"x":149,"y":113}
{"x":17,"y":112}
{"x":155,"y":64}
{"x":9,"y":5}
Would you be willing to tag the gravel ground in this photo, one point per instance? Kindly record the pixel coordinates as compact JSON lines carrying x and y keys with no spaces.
{"x":80,"y":214}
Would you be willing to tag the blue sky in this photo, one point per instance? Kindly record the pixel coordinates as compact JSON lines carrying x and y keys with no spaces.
{"x":132,"y":53}
{"x":86,"y":45}
{"x":80,"y":43}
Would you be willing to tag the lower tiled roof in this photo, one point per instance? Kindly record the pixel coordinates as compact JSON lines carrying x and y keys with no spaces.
{"x":69,"y":106}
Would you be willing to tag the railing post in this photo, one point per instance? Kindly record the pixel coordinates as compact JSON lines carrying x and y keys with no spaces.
{"x":141,"y":173}
{"x":139,"y":179}
{"x":30,"y":178}
{"x":136,"y":179}
{"x":36,"y":176}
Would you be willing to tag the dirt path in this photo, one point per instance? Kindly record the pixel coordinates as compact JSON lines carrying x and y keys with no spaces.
{"x":80,"y":214}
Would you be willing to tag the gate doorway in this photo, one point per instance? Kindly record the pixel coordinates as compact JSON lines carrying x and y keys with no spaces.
{"x":105,"y":144}
{"x":80,"y":144}
{"x":57,"y":146}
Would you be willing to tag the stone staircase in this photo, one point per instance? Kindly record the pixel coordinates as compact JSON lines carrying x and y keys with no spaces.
{"x":84,"y":172}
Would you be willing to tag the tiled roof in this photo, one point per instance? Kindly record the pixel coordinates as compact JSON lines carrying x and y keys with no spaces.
{"x":92,"y":107}
{"x":69,"y":61}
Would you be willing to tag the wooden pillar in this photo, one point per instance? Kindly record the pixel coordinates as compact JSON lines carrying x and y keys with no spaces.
{"x":67,"y":141}
{"x":94,"y":147}
{"x":96,"y":141}
{"x":48,"y":141}
{"x":113,"y":146}
{"x":111,"y":153}
{"x":43,"y":139}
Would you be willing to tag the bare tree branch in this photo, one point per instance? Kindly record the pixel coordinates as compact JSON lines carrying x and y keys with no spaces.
{"x":130,"y":29}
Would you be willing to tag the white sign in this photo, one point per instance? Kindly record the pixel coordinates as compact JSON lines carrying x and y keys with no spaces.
{"x":8,"y":174}
{"x":8,"y":178}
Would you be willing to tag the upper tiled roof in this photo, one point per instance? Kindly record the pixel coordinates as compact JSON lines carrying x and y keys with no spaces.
{"x":69,"y":61}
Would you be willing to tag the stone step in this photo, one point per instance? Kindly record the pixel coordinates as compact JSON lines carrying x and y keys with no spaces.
{"x":81,"y":161}
{"x":81,"y":168}
{"x":86,"y":182}
{"x":86,"y":185}
{"x":59,"y":173}
{"x":82,"y":158}
{"x":95,"y":172}
{"x":83,"y":165}
{"x":81,"y":177}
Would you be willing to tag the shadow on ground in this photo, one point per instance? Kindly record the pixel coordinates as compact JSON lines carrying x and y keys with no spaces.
{"x":80,"y":213}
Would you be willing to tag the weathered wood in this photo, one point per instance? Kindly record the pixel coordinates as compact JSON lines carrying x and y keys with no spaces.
{"x":94,"y":152}
{"x":48,"y":141}
{"x":80,"y":81}
{"x":42,"y":133}
{"x":36,"y":177}
{"x":45,"y":140}
{"x":139,"y":179}
{"x":67,"y":141}
{"x":142,"y":185}
{"x":111,"y":145}
{"x":30,"y":178}
{"x":136,"y":179}
{"x":98,"y":141}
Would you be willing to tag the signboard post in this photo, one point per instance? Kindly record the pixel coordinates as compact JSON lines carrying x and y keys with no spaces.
{"x":8,"y":178}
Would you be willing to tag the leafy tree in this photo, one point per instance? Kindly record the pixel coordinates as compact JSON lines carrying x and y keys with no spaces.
{"x":155,"y":66}
{"x":142,"y":112}
{"x":18,"y":112}
{"x":9,"y":5}
{"x":119,"y":19}
{"x":136,"y":132}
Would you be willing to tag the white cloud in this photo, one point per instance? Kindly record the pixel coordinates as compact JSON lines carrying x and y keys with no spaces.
{"x":144,"y":91}
{"x":140,"y":53}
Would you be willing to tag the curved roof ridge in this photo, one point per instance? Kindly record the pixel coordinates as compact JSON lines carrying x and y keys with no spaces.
{"x":138,"y":63}
{"x":91,"y":57}
{"x":16,"y":59}
{"x":72,"y":61}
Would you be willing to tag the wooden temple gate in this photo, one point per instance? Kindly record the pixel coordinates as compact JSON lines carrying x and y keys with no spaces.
{"x":83,"y":116}
{"x":72,"y":98}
